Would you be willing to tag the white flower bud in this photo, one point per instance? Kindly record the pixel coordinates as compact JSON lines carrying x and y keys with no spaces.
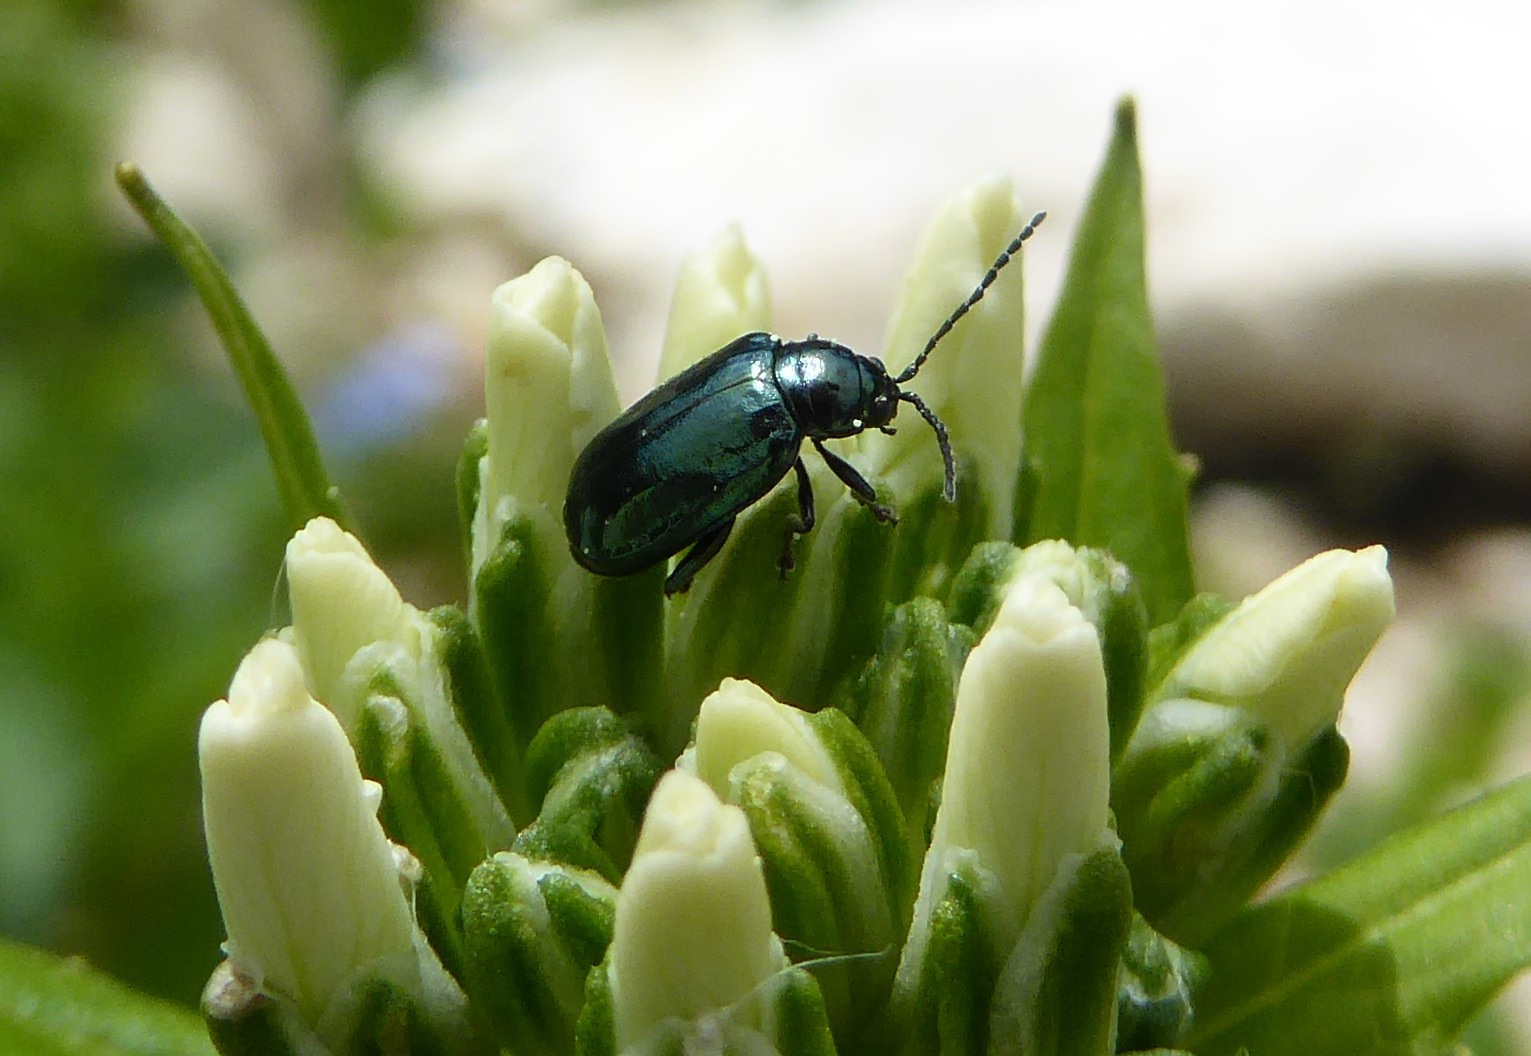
{"x":548,"y":388}
{"x":740,"y":721}
{"x":1286,"y":654}
{"x":1027,"y":766}
{"x":307,"y":881}
{"x":692,"y":936}
{"x":973,"y":379}
{"x":720,"y":294}
{"x":341,"y":602}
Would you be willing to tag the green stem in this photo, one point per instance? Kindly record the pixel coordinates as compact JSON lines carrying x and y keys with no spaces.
{"x":300,"y":475}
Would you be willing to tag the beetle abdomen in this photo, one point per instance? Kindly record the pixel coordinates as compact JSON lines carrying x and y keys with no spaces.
{"x":686,"y":458}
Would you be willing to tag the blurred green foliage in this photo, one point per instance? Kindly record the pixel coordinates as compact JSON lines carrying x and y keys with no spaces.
{"x":142,"y":533}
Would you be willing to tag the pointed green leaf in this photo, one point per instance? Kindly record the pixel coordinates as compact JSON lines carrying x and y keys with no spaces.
{"x":1389,"y":954}
{"x":1099,"y":467}
{"x":58,"y":1006}
{"x":300,"y":475}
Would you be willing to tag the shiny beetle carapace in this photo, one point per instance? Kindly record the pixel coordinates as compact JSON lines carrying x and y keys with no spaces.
{"x":677,"y":467}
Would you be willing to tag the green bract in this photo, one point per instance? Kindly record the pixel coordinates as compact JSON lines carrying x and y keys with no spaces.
{"x":987,"y":781}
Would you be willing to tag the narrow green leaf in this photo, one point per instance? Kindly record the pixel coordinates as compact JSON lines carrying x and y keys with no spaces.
{"x":1389,"y":954}
{"x":300,"y":475}
{"x":59,"y":1006}
{"x":1099,"y":467}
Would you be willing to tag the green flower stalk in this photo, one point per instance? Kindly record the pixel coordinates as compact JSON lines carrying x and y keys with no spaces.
{"x":313,"y":894}
{"x":534,"y":930}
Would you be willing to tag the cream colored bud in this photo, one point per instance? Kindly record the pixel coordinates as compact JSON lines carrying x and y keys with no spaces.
{"x":341,"y":602}
{"x":1287,"y":653}
{"x":306,"y":879}
{"x":692,"y":935}
{"x":740,"y":720}
{"x":1027,"y":768}
{"x":973,"y":378}
{"x":721,"y":293}
{"x":548,"y":384}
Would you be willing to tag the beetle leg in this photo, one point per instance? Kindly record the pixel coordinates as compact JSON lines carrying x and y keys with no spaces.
{"x":702,"y":551}
{"x":863,"y":491}
{"x":801,"y":522}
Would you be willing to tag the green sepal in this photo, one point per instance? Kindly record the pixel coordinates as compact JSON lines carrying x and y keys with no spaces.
{"x":1099,"y":466}
{"x":949,"y":1012}
{"x":421,"y":809}
{"x":1265,"y":838}
{"x":796,"y":1016}
{"x":801,"y":1019}
{"x":589,"y":770}
{"x":558,"y":637}
{"x":373,"y":1016}
{"x":903,"y":701}
{"x":595,"y":1034}
{"x":532,"y":932}
{"x":820,"y":906}
{"x":1209,"y":806}
{"x":1182,"y":792}
{"x":510,"y":592}
{"x":1154,"y":990}
{"x":981,"y":582}
{"x":469,"y":483}
{"x":1057,"y":994}
{"x":242,"y":1021}
{"x":460,"y":655}
{"x":870,"y":792}
{"x":389,"y":1020}
{"x":567,"y":844}
{"x":934,"y":538}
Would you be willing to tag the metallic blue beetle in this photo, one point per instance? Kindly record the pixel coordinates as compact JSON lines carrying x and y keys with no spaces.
{"x":677,"y":467}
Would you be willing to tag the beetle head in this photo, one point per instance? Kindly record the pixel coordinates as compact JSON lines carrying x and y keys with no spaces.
{"x":882,"y":404}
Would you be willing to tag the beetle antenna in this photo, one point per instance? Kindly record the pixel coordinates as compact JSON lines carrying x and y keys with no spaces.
{"x":949,"y":490}
{"x":962,"y":309}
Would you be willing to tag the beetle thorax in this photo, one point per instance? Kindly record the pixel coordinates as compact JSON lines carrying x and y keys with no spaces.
{"x":832,"y":391}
